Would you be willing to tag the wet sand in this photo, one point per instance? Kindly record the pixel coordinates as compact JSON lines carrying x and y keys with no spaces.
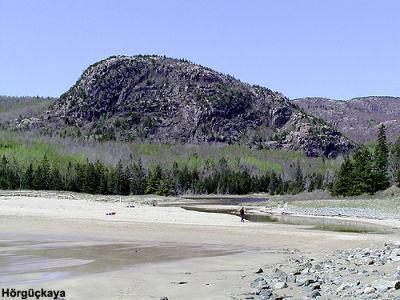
{"x":35,"y":259}
{"x":72,"y":245}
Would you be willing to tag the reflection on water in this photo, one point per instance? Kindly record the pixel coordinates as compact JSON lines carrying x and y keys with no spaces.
{"x":311,"y":222}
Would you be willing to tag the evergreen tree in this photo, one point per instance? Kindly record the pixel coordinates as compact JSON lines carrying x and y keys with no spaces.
{"x":100,"y":178}
{"x":316,"y":182}
{"x":184,"y":178}
{"x":81,"y":177}
{"x":4,"y":169}
{"x":273,"y":183}
{"x":362,"y":174}
{"x":38,"y":178}
{"x":41,"y":176}
{"x":44,"y":175}
{"x":344,"y":179}
{"x":71,"y":183}
{"x":398,"y":178}
{"x":153,"y":180}
{"x":396,"y":149}
{"x":138,"y":179}
{"x":119,"y":178}
{"x":242,"y":182}
{"x":56,"y":182}
{"x":166,"y":186}
{"x":14,"y":175}
{"x":221,"y":177}
{"x":299,"y":180}
{"x":27,"y":178}
{"x":90,"y":180}
{"x":281,"y":186}
{"x":394,"y":162}
{"x":381,"y":157}
{"x":263,"y":183}
{"x":311,"y":186}
{"x":103,"y":187}
{"x":112,"y":180}
{"x":319,"y":181}
{"x":287,"y":186}
{"x":126,"y":181}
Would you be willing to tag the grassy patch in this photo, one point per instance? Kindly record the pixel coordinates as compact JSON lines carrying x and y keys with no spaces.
{"x":384,"y":205}
{"x":34,"y":153}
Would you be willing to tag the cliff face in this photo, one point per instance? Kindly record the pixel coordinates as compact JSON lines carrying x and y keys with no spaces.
{"x":357,"y":118}
{"x":167,"y":100}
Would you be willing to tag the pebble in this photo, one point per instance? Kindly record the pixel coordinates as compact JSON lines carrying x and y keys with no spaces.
{"x":369,"y":261}
{"x":369,"y":290}
{"x":280,"y":285}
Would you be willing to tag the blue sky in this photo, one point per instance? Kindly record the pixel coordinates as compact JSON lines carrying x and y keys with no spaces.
{"x":331,"y":48}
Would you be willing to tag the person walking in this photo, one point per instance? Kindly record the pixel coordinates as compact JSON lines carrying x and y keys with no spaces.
{"x":242,"y":214}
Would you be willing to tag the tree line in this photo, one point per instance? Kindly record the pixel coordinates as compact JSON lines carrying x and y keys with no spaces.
{"x":98,"y":178}
{"x":366,"y":171}
{"x":369,"y":171}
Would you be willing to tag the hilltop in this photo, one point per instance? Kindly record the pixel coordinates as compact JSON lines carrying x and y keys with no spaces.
{"x":165,"y":100}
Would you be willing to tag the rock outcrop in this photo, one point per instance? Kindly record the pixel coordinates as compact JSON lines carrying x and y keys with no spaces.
{"x":167,"y":100}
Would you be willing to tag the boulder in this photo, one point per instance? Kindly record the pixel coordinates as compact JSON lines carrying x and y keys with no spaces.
{"x":280,"y":285}
{"x":315,"y":294}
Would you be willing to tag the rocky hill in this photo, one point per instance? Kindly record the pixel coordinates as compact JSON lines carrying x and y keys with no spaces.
{"x":167,"y":100}
{"x":357,"y":118}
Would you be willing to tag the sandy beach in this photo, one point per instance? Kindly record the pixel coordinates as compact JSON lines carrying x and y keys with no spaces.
{"x":147,"y":252}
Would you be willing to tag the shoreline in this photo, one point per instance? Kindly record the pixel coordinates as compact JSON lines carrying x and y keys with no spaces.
{"x":233,"y":250}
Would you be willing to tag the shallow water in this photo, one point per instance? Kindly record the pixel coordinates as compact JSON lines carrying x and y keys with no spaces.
{"x":311,"y":222}
{"x":321,"y":223}
{"x":24,"y":261}
{"x":216,"y":201}
{"x":229,"y":200}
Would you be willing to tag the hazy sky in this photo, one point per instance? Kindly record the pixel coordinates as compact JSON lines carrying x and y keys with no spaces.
{"x":331,"y":48}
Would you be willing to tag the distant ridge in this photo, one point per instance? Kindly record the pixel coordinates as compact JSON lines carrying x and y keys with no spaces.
{"x":358,"y":118}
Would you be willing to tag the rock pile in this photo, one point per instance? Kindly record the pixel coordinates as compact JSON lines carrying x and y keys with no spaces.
{"x":352,"y":274}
